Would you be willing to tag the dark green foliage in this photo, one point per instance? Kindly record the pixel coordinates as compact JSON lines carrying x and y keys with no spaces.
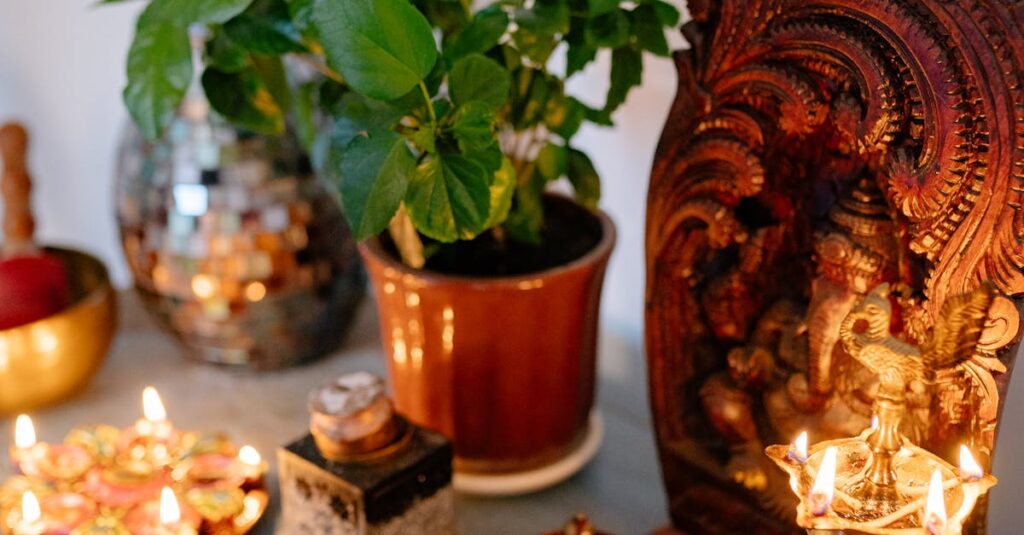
{"x":425,"y":103}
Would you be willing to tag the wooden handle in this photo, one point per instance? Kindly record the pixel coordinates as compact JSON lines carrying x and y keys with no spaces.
{"x":16,"y":190}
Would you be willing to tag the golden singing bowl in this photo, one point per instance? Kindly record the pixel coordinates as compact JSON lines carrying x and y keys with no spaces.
{"x":48,"y":360}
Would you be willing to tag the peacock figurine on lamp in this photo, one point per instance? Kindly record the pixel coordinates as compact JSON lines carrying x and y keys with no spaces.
{"x":879,"y":482}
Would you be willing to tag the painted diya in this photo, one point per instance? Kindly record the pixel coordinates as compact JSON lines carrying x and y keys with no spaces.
{"x":147,"y":479}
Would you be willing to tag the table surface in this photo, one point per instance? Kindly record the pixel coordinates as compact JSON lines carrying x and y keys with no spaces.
{"x":620,"y":489}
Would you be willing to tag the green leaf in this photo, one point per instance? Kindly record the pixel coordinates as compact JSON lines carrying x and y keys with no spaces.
{"x":549,"y":17}
{"x":551,"y":161}
{"x":304,"y":111}
{"x":225,"y":54}
{"x":575,"y":114}
{"x":266,"y":28}
{"x":610,"y":30}
{"x":159,"y":72}
{"x":578,"y":57}
{"x":647,"y":28}
{"x":425,"y":139}
{"x":488,"y":157}
{"x":375,"y":171}
{"x":449,"y":197}
{"x":598,"y":117}
{"x":555,"y":110}
{"x":447,"y":15}
{"x":301,"y":13}
{"x":530,"y":100}
{"x":356,"y":115}
{"x":627,"y":73}
{"x":383,"y":48}
{"x":271,"y":70}
{"x":584,"y":178}
{"x":478,"y":78}
{"x":413,"y":100}
{"x":243,"y":98}
{"x":473,"y":126}
{"x":185,"y":12}
{"x":509,"y":57}
{"x":580,"y":53}
{"x":503,"y":188}
{"x":537,"y":47}
{"x":525,"y":221}
{"x":539,"y":28}
{"x":598,"y":7}
{"x":331,"y":95}
{"x":668,"y":15}
{"x":481,"y":35}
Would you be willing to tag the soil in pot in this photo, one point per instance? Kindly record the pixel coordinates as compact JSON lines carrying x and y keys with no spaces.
{"x":569,"y":232}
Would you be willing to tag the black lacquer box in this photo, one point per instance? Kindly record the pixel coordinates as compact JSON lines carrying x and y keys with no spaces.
{"x":402,"y":486}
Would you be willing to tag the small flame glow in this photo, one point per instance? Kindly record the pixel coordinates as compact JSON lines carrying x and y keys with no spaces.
{"x":30,"y":511}
{"x":970,"y":470}
{"x":798,"y":449}
{"x":820,"y":497}
{"x":24,"y":432}
{"x":170,"y":511}
{"x":935,"y":509}
{"x":152,"y":408}
{"x":249,"y":456}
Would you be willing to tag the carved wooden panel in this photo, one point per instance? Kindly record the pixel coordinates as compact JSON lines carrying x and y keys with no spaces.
{"x":815,"y":150}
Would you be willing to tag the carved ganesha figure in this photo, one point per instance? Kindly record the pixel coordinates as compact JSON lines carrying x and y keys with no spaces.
{"x":815,"y":150}
{"x":794,"y":358}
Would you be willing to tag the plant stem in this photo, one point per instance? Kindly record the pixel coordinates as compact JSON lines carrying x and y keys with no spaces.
{"x":319,"y":66}
{"x":430,"y":103}
{"x":407,"y":240}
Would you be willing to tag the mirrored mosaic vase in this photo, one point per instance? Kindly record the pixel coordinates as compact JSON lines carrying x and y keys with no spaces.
{"x":236,"y":247}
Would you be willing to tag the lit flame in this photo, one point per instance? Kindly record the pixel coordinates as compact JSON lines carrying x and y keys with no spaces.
{"x":935,"y":510}
{"x":170,"y":512}
{"x":30,"y":512}
{"x":249,"y":456}
{"x":969,"y":468}
{"x":820,"y":497}
{"x":152,"y":407}
{"x":24,"y":432}
{"x":798,"y":449}
{"x":204,"y":286}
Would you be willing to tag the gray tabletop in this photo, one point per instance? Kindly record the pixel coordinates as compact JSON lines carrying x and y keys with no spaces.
{"x":620,"y":489}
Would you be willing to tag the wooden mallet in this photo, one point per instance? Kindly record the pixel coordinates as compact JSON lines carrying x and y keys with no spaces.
{"x":33,"y":285}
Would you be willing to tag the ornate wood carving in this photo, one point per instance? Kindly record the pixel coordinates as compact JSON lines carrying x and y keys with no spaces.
{"x":815,"y":150}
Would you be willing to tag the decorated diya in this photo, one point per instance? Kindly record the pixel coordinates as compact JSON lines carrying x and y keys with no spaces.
{"x":147,"y":479}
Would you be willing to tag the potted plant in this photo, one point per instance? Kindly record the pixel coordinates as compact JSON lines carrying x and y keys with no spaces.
{"x":444,"y":126}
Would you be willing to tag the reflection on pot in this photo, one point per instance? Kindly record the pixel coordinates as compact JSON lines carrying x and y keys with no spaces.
{"x":235,"y":246}
{"x":504,"y":365}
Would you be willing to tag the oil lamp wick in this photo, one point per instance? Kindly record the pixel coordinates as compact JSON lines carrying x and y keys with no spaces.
{"x":935,"y":508}
{"x":970,"y":470}
{"x":170,"y":511}
{"x":24,"y":432}
{"x":798,"y":449}
{"x":820,"y":497}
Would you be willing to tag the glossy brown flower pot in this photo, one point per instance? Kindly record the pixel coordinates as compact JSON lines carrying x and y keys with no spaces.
{"x":505,"y":366}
